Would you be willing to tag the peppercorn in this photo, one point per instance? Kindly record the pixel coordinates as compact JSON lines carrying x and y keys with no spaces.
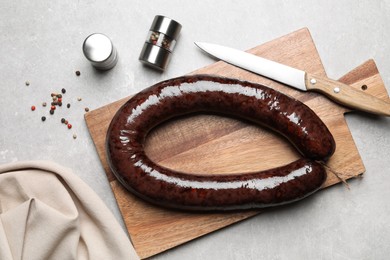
{"x":62,"y":120}
{"x":27,"y":83}
{"x":79,"y":99}
{"x":69,"y":126}
{"x":32,"y":108}
{"x":66,"y":122}
{"x":59,"y":99}
{"x":74,"y":136}
{"x":78,"y":73}
{"x":59,"y":95}
{"x":53,"y":107}
{"x":44,"y":104}
{"x":68,"y":105}
{"x":60,"y":104}
{"x":86,"y":109}
{"x":63,"y":91}
{"x":43,"y":118}
{"x":51,"y":112}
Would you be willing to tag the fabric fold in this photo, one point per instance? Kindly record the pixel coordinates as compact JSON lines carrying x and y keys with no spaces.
{"x":47,"y":212}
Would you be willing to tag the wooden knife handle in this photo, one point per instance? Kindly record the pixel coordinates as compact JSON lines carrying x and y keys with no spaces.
{"x":347,"y":96}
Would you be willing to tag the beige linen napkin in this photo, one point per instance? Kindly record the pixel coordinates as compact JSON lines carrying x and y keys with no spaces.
{"x":47,"y":212}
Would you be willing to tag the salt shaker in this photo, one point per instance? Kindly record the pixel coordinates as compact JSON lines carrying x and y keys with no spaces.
{"x":100,"y":51}
{"x":160,"y":42}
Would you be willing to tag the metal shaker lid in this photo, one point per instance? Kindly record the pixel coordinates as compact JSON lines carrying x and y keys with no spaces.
{"x":99,"y":50}
{"x":166,"y":26}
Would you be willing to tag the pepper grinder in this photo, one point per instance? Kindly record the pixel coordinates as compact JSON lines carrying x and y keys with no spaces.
{"x":100,"y":51}
{"x":160,"y":42}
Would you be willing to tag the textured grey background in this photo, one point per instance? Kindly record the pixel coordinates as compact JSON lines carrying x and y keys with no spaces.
{"x":40,"y":42}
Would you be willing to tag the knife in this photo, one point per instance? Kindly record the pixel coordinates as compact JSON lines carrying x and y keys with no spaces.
{"x":299,"y":79}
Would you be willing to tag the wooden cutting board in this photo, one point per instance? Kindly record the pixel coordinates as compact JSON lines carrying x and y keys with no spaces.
{"x":212,"y":144}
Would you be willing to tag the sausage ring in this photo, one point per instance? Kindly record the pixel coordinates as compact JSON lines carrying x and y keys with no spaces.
{"x":231,"y":97}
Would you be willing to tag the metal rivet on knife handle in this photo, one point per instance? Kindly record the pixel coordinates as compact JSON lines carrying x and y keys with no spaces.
{"x":336,"y":90}
{"x":313,"y":81}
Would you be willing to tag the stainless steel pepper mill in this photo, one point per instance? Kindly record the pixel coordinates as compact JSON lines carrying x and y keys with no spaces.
{"x":100,"y":51}
{"x":160,"y":42}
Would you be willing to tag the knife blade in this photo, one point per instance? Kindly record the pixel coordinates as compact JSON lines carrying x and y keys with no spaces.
{"x":299,"y":79}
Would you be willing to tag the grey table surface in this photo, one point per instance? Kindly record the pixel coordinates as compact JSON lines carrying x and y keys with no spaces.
{"x":40,"y":42}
